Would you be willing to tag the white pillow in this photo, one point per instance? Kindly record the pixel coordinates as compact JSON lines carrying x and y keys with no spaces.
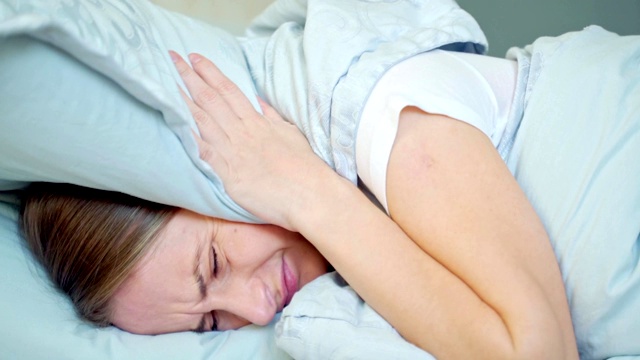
{"x":95,"y":103}
{"x":328,"y":320}
{"x":39,"y":322}
{"x":88,"y":96}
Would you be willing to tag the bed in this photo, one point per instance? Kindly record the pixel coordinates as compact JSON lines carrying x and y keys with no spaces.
{"x":89,"y":97}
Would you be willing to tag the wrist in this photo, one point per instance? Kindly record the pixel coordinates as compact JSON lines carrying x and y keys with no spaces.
{"x":324,"y":194}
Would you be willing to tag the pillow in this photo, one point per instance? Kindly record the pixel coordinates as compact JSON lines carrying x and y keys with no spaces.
{"x":90,"y":97}
{"x":328,"y":320}
{"x":38,"y":322}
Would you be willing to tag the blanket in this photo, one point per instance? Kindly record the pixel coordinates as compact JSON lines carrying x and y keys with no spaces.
{"x":316,"y":61}
{"x":575,"y":155}
{"x":88,"y":96}
{"x":283,"y":58}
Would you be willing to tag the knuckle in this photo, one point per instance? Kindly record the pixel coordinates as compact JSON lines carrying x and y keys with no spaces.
{"x":205,"y":153}
{"x":226,"y":86}
{"x":207,"y":96}
{"x":200,"y":117}
{"x":183,"y":69}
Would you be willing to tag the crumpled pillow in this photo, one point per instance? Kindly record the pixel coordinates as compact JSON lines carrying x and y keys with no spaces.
{"x":90,"y":97}
{"x":328,"y":320}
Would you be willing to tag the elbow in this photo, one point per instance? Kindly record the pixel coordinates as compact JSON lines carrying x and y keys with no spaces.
{"x":531,"y":342}
{"x":542,"y":344}
{"x":532,"y":345}
{"x":540,"y":334}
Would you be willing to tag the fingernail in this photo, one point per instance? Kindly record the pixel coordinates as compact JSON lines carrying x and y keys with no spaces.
{"x":194,"y":58}
{"x":174,"y":57}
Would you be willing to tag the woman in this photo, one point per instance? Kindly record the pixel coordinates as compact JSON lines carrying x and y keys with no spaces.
{"x":489,"y":285}
{"x":92,"y":241}
{"x":462,"y":266}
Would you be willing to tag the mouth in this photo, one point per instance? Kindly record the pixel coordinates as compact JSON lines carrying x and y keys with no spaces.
{"x":289,"y":284}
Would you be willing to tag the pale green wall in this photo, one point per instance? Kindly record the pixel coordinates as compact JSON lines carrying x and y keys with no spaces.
{"x":509,"y":23}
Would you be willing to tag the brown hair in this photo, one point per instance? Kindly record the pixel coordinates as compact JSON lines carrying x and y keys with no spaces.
{"x":89,"y":240}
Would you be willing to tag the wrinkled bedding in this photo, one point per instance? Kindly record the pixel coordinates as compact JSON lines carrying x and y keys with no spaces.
{"x":576,"y":156}
{"x":126,"y":129}
{"x":316,"y":61}
{"x":88,"y":96}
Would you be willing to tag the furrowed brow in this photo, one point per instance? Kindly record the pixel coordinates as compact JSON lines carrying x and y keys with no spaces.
{"x":202,"y":288}
{"x":197,"y":274}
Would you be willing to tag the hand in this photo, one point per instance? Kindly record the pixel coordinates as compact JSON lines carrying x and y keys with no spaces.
{"x":264,"y":162}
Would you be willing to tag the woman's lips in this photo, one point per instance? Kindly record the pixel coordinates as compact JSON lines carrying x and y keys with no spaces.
{"x":289,"y":283}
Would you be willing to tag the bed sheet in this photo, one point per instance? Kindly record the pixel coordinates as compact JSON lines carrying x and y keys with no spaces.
{"x":38,"y":322}
{"x":316,"y":61}
{"x":89,"y":97}
{"x":595,"y":236}
{"x":576,"y":156}
{"x":327,"y":319}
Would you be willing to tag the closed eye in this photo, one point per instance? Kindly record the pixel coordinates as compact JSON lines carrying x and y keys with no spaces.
{"x":214,"y":322}
{"x":215,"y":262}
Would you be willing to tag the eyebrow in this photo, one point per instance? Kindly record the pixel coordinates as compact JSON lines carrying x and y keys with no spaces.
{"x":197,"y":274}
{"x":202,"y":288}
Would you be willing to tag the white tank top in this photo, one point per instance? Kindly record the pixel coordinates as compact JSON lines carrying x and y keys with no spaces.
{"x":472,"y":88}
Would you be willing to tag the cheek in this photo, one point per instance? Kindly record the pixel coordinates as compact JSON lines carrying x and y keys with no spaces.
{"x":271,"y":236}
{"x":252,"y":245}
{"x":308,"y":260}
{"x":250,"y":242}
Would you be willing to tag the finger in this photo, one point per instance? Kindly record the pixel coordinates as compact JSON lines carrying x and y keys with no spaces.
{"x":207,"y":98}
{"x":232,"y":94}
{"x":211,"y":139}
{"x":210,"y":131}
{"x":210,"y":154}
{"x":268,"y":111}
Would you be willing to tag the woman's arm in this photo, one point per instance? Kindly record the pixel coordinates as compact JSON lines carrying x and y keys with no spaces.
{"x":463,"y":270}
{"x":466,"y":270}
{"x":453,"y":195}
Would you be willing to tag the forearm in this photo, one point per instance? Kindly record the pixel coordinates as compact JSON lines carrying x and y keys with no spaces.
{"x":465,"y":268}
{"x":425,"y":302}
{"x":474,"y":277}
{"x":450,"y":191}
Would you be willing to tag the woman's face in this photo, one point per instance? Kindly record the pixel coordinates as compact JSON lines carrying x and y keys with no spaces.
{"x":207,"y":273}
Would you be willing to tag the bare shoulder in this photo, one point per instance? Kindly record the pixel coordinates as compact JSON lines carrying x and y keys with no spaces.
{"x":450,"y":191}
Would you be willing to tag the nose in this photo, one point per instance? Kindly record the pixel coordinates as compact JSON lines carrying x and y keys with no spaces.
{"x":249,"y":300}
